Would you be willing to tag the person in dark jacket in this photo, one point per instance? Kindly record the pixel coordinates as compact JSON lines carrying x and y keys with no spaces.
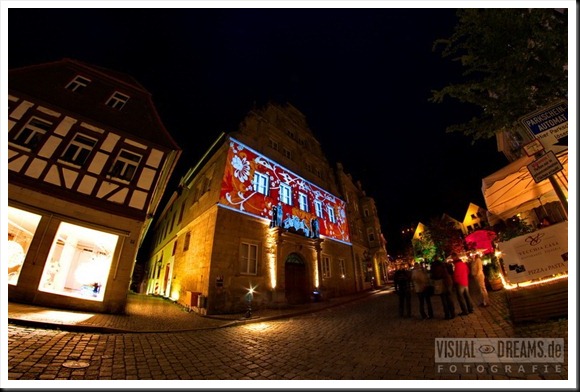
{"x":443,"y":279}
{"x":402,"y":279}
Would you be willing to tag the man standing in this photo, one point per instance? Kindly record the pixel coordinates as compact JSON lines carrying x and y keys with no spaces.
{"x":423,"y":288}
{"x":461,"y":281}
{"x":402,"y":280}
{"x":443,"y":286}
{"x":477,"y":272}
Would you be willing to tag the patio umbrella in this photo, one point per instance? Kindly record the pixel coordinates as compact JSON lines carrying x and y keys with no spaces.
{"x":481,"y":240}
{"x":512,"y":189}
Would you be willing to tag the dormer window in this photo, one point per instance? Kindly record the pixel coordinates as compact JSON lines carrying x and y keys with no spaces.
{"x":117,"y":100}
{"x":125,"y":165}
{"x":78,"y":84}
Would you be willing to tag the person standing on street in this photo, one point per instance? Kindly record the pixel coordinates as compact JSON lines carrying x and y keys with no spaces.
{"x":443,"y":286}
{"x":461,"y":281}
{"x":423,"y":288}
{"x":402,"y":280}
{"x":478,"y":275}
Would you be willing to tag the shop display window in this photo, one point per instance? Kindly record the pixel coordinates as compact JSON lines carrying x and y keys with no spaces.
{"x":21,"y":228}
{"x":78,"y":263}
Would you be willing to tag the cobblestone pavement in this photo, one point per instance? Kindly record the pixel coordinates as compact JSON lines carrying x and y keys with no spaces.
{"x":359,"y":338}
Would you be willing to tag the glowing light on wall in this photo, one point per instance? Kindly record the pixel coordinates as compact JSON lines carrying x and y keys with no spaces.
{"x":271,"y":255}
{"x":272,"y":268}
{"x":315,"y":274}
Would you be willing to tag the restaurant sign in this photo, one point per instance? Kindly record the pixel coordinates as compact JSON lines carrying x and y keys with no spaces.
{"x":540,"y":254}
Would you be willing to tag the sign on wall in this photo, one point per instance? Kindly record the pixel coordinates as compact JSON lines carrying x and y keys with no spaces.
{"x":536,"y":255}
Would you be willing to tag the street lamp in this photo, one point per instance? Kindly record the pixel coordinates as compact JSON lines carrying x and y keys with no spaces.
{"x":249,"y":298}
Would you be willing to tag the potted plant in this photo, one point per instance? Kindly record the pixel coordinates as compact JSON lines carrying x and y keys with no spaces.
{"x":492,"y":272}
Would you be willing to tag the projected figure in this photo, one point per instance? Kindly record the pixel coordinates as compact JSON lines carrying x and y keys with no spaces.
{"x":315,"y":228}
{"x":277,"y":215}
{"x":274,"y":216}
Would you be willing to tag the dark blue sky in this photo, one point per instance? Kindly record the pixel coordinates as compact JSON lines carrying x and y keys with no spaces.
{"x":362,"y":77}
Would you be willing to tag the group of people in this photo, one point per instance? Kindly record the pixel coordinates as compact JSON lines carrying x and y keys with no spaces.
{"x":444,"y":279}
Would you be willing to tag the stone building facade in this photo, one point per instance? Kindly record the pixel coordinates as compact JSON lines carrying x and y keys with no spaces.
{"x":262,"y":216}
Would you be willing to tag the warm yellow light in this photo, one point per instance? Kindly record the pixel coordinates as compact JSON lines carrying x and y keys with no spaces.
{"x":511,"y":286}
{"x":272,"y":269}
{"x":271,"y":255}
{"x":257,"y":327}
{"x":316,"y":277}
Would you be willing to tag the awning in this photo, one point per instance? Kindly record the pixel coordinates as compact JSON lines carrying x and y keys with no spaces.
{"x":512,"y":189}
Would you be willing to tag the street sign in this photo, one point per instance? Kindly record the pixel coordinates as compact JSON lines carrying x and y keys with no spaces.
{"x":534,"y":147}
{"x":550,"y":125}
{"x":545,"y":166}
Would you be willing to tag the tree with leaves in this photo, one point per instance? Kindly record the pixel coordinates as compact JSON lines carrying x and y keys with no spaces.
{"x":515,"y":61}
{"x":442,"y":238}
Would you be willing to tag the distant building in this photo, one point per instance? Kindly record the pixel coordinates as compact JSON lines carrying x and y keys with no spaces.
{"x":264,"y":210}
{"x":365,"y":228}
{"x":419,"y":230}
{"x":475,"y":219}
{"x":88,"y":162}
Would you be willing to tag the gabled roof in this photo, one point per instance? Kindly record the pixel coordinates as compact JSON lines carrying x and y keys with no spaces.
{"x":45,"y":84}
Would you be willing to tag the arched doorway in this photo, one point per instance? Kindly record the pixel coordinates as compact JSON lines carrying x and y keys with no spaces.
{"x":297,"y":288}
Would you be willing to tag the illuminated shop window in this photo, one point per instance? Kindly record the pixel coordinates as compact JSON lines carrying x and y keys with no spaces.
{"x":285,"y":194}
{"x":21,"y":228}
{"x":260,"y":183}
{"x":78,"y":262}
{"x":303,"y":201}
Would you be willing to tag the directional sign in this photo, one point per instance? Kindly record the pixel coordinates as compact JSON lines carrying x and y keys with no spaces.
{"x":545,"y":166}
{"x":549,"y":125}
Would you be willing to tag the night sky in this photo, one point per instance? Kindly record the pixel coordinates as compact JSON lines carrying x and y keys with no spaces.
{"x":362,"y":77}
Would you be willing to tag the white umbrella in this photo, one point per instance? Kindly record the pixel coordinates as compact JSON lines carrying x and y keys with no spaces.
{"x":512,"y":189}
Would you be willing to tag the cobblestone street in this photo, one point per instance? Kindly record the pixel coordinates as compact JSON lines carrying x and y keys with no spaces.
{"x":358,"y":340}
